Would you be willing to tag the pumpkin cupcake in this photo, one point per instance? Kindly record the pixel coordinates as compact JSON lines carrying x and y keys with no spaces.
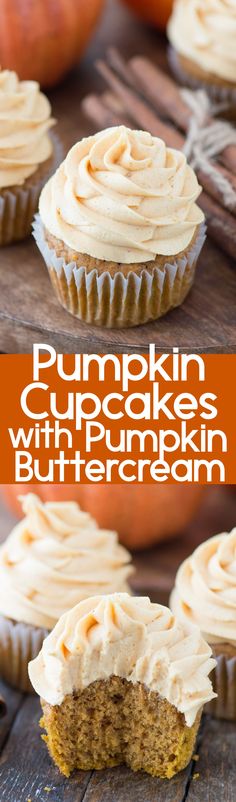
{"x":28,"y":153}
{"x":203,"y":55}
{"x":205,"y":595}
{"x":54,"y":557}
{"x":121,"y":682}
{"x":119,"y":228}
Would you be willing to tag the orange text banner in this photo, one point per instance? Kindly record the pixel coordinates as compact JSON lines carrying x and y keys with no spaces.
{"x":118,"y":418}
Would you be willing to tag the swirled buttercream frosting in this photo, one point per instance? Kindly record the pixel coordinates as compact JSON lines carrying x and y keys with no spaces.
{"x":205,"y":589}
{"x":127,"y":637}
{"x":55,"y":557}
{"x":122,"y":196}
{"x":204,"y":31}
{"x":25,"y":119}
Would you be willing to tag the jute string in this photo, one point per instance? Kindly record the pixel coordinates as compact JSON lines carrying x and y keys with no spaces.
{"x":206,"y":140}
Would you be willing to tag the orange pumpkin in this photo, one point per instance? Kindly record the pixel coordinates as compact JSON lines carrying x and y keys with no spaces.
{"x":156,"y":12}
{"x":43,"y":39}
{"x":141,"y":514}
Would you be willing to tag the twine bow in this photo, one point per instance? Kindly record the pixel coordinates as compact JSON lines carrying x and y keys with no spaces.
{"x":206,"y":141}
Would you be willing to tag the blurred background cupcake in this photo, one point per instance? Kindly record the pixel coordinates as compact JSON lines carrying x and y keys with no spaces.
{"x":54,"y":558}
{"x":29,"y":153}
{"x":205,"y":595}
{"x":119,"y":228}
{"x":142,"y":515}
{"x":202,"y":34}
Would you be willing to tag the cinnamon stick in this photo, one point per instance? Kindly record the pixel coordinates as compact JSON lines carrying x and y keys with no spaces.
{"x":138,"y":110}
{"x":99,"y":112}
{"x":161,"y":90}
{"x":221,"y":224}
{"x":151,"y":78}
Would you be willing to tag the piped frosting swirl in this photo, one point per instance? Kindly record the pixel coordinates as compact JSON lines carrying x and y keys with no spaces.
{"x":25,"y":119}
{"x":205,"y":589}
{"x":128,"y":637}
{"x":122,"y":196}
{"x":55,"y":557}
{"x":204,"y":31}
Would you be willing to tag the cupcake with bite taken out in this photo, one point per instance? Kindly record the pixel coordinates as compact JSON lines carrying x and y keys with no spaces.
{"x":205,"y":595}
{"x":55,"y":557}
{"x":119,"y":228}
{"x":29,"y":153}
{"x":202,"y":34}
{"x":121,"y":681}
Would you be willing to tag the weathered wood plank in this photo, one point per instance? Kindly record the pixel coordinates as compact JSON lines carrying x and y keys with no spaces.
{"x":13,"y":701}
{"x":122,"y":785}
{"x":26,"y":770}
{"x":214,"y":778}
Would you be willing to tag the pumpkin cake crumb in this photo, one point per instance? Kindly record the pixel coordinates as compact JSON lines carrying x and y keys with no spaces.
{"x":115,"y":721}
{"x":196,"y":776}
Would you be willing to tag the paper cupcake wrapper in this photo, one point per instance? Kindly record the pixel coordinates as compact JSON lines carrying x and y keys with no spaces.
{"x":19,"y":643}
{"x":218,"y":93}
{"x":119,"y":301}
{"x":224,"y":684}
{"x":19,"y":205}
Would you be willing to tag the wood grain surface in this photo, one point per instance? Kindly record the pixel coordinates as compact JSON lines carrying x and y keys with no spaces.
{"x":29,"y":310}
{"x":26,"y":771}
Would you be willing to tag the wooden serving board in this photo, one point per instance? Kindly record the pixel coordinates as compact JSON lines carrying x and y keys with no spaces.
{"x":29,"y":310}
{"x":26,"y":771}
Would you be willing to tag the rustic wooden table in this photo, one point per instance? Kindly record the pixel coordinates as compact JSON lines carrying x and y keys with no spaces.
{"x":29,"y":311}
{"x":26,"y":772}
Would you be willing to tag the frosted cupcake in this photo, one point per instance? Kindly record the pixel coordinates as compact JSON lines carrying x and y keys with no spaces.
{"x":119,"y":228}
{"x":121,"y":682}
{"x":29,"y":153}
{"x":205,"y":595}
{"x":55,"y":557}
{"x":203,"y":36}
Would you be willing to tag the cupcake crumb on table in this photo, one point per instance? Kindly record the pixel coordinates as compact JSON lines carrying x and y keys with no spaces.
{"x":30,"y":153}
{"x":121,"y":681}
{"x":55,"y":557}
{"x":119,"y":228}
{"x":204,"y":595}
{"x":202,"y":34}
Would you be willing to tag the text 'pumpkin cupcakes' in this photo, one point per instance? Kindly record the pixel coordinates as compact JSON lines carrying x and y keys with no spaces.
{"x":29,"y":154}
{"x":205,"y":595}
{"x":55,"y":557}
{"x":119,"y":228}
{"x":122,"y":682}
{"x":202,"y":34}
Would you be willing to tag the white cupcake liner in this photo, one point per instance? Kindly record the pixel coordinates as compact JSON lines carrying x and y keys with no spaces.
{"x":119,"y":301}
{"x":218,"y":93}
{"x":19,"y":643}
{"x":18,"y":205}
{"x":224,"y":684}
